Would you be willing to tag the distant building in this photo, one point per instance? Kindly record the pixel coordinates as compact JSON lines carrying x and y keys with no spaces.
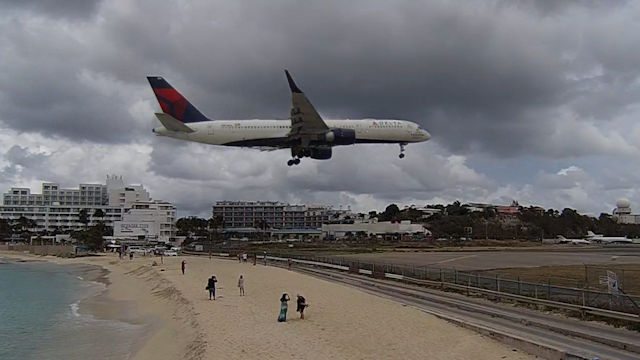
{"x":274,"y":215}
{"x":151,"y":220}
{"x":57,"y":209}
{"x":375,"y":228}
{"x":622,"y":213}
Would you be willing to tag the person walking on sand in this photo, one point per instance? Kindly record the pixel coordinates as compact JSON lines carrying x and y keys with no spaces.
{"x":302,"y":304}
{"x":211,"y":286}
{"x":183,"y":266}
{"x":283,"y":308}
{"x":241,"y":285}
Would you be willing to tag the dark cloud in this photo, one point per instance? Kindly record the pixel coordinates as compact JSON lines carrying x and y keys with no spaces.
{"x":68,"y":9}
{"x":534,"y":84}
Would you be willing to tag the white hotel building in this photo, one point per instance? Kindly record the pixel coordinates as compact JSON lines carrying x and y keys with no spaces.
{"x":57,"y":209}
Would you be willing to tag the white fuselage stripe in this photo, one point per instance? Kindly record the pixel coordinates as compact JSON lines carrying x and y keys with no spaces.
{"x":221,"y":132}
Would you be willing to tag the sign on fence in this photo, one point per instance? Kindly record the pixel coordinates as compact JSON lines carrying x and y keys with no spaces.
{"x":611,"y":280}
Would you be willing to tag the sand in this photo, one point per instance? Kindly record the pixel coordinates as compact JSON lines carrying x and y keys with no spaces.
{"x":341,"y":323}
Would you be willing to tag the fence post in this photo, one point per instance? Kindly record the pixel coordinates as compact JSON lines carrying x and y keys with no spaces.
{"x":468,"y":284}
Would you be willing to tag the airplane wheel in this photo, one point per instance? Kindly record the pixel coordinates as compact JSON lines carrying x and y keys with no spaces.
{"x":296,"y":161}
{"x":290,"y":162}
{"x":401,"y":156}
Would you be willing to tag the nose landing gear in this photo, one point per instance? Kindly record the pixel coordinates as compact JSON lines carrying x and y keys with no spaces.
{"x":294,"y":161}
{"x":402,"y":145}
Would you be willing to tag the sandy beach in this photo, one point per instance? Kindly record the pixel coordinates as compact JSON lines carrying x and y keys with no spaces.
{"x":341,"y":323}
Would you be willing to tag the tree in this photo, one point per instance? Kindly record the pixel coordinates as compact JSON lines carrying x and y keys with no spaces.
{"x":5,"y":228}
{"x":392,"y":212}
{"x":98,"y":214}
{"x":83,"y":217}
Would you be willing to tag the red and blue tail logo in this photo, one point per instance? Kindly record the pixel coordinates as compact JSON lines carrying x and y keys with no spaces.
{"x":173,"y":103}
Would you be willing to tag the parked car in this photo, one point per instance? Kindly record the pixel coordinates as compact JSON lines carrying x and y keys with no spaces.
{"x":170,"y":253}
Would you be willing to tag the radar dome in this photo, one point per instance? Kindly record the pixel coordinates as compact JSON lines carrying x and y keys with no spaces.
{"x":623,"y":203}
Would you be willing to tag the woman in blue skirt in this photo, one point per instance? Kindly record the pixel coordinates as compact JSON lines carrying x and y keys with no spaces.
{"x":283,"y":307}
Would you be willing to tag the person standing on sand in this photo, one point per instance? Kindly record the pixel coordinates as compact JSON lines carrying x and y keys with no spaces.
{"x":302,"y":304}
{"x":241,"y":285}
{"x":283,"y":308}
{"x":211,"y":286}
{"x":183,"y":265}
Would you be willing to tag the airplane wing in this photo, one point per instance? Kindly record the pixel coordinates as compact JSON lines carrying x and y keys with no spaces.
{"x":305,"y":120}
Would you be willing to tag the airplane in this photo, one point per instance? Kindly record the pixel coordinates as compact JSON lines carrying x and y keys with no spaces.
{"x":306,"y":133}
{"x":607,"y":239}
{"x":564,"y":240}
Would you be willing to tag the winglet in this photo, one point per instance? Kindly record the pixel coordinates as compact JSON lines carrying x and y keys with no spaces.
{"x":292,"y":85}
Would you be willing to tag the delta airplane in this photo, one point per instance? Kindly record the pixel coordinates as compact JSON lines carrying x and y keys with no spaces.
{"x":607,"y":239}
{"x":306,"y":133}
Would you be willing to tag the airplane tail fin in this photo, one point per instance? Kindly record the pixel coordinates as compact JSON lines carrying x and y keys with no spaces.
{"x":173,"y":103}
{"x":590,"y":233}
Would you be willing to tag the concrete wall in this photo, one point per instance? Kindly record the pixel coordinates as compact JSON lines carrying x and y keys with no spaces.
{"x":55,"y":250}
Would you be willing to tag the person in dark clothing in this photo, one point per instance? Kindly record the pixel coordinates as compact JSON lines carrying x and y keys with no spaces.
{"x":302,"y":304}
{"x":183,"y":266}
{"x":211,"y":286}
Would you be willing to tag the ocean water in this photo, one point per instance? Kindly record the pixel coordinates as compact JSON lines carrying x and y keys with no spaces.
{"x":39,"y":317}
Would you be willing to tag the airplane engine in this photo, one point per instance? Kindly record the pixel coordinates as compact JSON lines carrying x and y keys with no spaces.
{"x":320,"y":153}
{"x":341,"y":136}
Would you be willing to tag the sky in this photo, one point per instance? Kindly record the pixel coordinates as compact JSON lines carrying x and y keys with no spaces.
{"x":534,"y":101}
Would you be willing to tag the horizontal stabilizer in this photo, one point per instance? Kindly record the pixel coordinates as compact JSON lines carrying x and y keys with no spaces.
{"x":172,"y":123}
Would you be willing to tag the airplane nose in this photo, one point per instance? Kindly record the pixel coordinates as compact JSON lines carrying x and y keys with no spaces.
{"x":426,"y":135}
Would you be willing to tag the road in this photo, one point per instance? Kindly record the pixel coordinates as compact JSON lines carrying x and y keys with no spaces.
{"x":542,"y":334}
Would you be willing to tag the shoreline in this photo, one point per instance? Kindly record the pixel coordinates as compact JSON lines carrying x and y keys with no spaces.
{"x":342,"y":322}
{"x":116,"y":303}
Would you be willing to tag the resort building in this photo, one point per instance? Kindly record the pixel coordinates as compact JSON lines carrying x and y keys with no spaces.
{"x":151,"y":220}
{"x":57,"y":209}
{"x":275,"y":215}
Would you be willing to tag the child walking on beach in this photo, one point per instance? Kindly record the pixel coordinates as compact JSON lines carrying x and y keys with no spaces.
{"x":241,"y":285}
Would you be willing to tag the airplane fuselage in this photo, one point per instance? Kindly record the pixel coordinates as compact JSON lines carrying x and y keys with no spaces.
{"x":276,"y":133}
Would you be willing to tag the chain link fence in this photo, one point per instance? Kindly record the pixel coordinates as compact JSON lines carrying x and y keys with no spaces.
{"x":584,"y":293}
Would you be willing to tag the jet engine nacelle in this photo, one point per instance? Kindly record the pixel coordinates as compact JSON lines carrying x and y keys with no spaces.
{"x":340,"y":136}
{"x":320,"y":153}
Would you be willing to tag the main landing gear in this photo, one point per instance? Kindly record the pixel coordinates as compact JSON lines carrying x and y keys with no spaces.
{"x":402,"y":145}
{"x":294,"y":161}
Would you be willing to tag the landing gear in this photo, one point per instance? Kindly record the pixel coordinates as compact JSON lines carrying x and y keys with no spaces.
{"x":402,"y":145}
{"x":294,"y":161}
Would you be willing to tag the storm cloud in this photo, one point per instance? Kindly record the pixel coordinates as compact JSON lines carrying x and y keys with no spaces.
{"x":542,"y":86}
